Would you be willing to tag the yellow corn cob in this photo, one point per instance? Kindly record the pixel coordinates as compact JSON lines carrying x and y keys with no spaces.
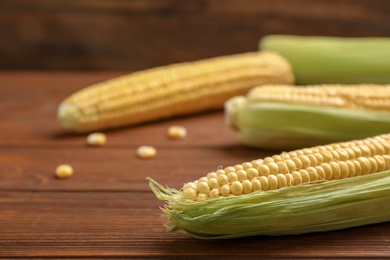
{"x":163,"y":92}
{"x":288,"y":117}
{"x":314,"y":189}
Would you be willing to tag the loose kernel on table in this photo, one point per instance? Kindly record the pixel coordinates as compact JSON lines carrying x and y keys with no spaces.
{"x":177,"y":132}
{"x":96,"y":139}
{"x":146,"y":152}
{"x":64,"y":171}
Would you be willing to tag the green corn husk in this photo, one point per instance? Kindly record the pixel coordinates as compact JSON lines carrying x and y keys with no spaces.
{"x":288,"y":125}
{"x":326,"y":206}
{"x":319,"y":60}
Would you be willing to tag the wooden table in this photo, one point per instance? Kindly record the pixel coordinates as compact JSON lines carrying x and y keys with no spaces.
{"x":107,"y":209}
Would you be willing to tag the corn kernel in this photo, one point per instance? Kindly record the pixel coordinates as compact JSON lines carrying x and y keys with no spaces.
{"x":146,"y":152}
{"x":64,"y":171}
{"x":177,"y":132}
{"x":96,"y":139}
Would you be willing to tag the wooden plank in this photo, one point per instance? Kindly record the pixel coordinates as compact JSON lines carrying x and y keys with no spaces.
{"x":136,"y":35}
{"x":127,"y":224}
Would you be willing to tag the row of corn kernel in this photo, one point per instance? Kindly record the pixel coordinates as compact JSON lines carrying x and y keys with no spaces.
{"x":210,"y":188}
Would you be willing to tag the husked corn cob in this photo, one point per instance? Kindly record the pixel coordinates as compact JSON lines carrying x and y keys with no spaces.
{"x":334,"y":60}
{"x":177,"y":89}
{"x":322,"y":188}
{"x":288,"y":117}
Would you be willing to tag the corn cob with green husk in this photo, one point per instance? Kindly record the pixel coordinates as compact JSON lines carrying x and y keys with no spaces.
{"x":323,"y":188}
{"x":288,"y":117}
{"x":334,"y":60}
{"x":173,"y":90}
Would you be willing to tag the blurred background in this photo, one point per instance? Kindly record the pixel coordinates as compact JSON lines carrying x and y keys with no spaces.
{"x":139,"y":34}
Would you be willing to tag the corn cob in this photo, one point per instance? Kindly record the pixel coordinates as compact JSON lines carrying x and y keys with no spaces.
{"x":173,"y":90}
{"x":288,"y":117}
{"x":333,"y":60}
{"x":323,"y":188}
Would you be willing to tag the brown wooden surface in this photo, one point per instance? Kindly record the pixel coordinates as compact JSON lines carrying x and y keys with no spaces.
{"x":139,"y":34}
{"x":106,"y":209}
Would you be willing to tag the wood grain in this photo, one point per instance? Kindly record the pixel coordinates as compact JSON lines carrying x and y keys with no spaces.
{"x":133,"y":35}
{"x":106,"y":209}
{"x":127,"y":224}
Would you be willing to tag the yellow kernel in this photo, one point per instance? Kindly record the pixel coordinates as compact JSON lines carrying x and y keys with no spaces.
{"x":282,"y":167}
{"x":229,"y":169}
{"x":328,"y":157}
{"x":290,"y":165}
{"x":252,"y":173}
{"x":213,"y":183}
{"x":263,"y":170}
{"x":307,"y":151}
{"x":214,"y":193}
{"x":328,"y":171}
{"x":96,"y":139}
{"x":203,"y":187}
{"x":320,"y":173}
{"x":177,"y":132}
{"x":189,"y":185}
{"x":297,"y":162}
{"x":256,"y":185}
{"x":222,"y":179}
{"x":201,"y":197}
{"x":242,"y":175}
{"x":313,"y":175}
{"x":232,"y":176}
{"x":246,"y":165}
{"x":289,"y":179}
{"x":381,"y":162}
{"x":220,"y":171}
{"x":64,"y":171}
{"x":146,"y":152}
{"x":357,"y":151}
{"x":319,"y":157}
{"x":374,"y":165}
{"x":385,"y":146}
{"x":284,"y":156}
{"x":358,"y":168}
{"x":372,"y":148}
{"x":246,"y":187}
{"x":297,"y":178}
{"x":365,"y":163}
{"x":255,"y":163}
{"x":305,"y":176}
{"x":264,"y":182}
{"x":351,"y":153}
{"x":335,"y":170}
{"x":343,"y":154}
{"x":238,"y":167}
{"x":292,"y":154}
{"x":305,"y":161}
{"x":387,"y":159}
{"x":379,"y":148}
{"x":282,"y":180}
{"x":273,"y":168}
{"x":351,"y":168}
{"x":277,"y":158}
{"x":313,"y":160}
{"x":335,"y":155}
{"x":267,"y":160}
{"x":344,"y":169}
{"x":190,"y":194}
{"x":272,"y":181}
{"x":211,"y":175}
{"x":365,"y":151}
{"x":225,"y":190}
{"x":236,"y":188}
{"x":203,"y":179}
